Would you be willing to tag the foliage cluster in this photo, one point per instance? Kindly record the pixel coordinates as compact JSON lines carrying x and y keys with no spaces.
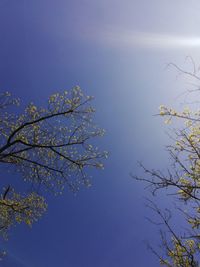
{"x":50,"y":147}
{"x":182,"y":180}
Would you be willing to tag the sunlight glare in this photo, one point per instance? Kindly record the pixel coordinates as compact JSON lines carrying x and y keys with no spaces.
{"x":153,"y":40}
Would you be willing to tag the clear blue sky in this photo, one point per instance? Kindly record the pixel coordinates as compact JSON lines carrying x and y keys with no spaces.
{"x":116,"y":51}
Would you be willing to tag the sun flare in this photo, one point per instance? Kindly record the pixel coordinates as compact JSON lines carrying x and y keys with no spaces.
{"x":156,"y":40}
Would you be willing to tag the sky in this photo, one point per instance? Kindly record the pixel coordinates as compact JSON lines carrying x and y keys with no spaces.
{"x":116,"y":51}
